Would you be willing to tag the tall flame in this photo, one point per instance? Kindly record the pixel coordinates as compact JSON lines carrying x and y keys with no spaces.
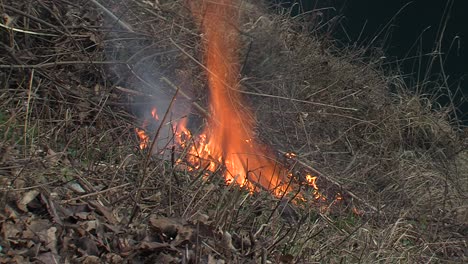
{"x":230,"y":136}
{"x":228,"y":140}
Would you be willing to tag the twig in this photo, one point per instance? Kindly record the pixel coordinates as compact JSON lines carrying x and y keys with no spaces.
{"x":28,"y":110}
{"x":111,"y":15}
{"x":197,"y":106}
{"x":32,"y":17}
{"x":300,"y":101}
{"x":52,"y":64}
{"x":95,"y":193}
{"x":27,"y":31}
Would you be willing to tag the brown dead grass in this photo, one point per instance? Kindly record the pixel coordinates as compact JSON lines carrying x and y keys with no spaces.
{"x":71,"y":171}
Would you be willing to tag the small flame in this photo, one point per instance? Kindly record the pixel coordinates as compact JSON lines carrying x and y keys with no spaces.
{"x":144,"y":138}
{"x":154,"y":113}
{"x":141,"y":133}
{"x":312,"y":180}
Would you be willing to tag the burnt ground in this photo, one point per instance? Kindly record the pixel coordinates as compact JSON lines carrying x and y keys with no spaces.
{"x":78,"y":78}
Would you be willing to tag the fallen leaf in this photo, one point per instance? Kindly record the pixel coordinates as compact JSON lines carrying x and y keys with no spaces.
{"x":26,"y":199}
{"x":153,"y":245}
{"x":76,"y":187}
{"x":34,"y":227}
{"x":50,"y":239}
{"x":89,"y":225}
{"x":48,"y":258}
{"x":10,"y":230}
{"x":87,"y":246}
{"x":184,"y":234}
{"x":113,"y":258}
{"x":82,"y":215}
{"x":201,"y":218}
{"x":213,"y":260}
{"x":166,"y":227}
{"x":286,"y":259}
{"x":19,"y":259}
{"x":91,"y":260}
{"x":104,"y":211}
{"x":11,"y":213}
{"x":166,"y":258}
{"x":172,"y":230}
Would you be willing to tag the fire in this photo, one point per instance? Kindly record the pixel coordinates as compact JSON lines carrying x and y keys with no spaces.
{"x":141,"y":133}
{"x":312,"y":180}
{"x":144,"y":138}
{"x":230,"y":138}
{"x":228,"y":141}
{"x":154,"y":113}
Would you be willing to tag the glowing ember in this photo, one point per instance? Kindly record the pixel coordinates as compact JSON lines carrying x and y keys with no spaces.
{"x":312,"y":181}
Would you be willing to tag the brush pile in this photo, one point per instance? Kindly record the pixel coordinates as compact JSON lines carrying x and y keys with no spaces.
{"x":78,"y":77}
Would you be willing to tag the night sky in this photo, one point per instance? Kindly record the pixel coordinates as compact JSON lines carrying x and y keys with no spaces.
{"x":406,"y":29}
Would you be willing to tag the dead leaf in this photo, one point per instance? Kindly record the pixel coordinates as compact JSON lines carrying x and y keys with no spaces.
{"x":34,"y":227}
{"x":166,"y":258}
{"x":11,"y":213}
{"x":153,"y":245}
{"x":5,"y":153}
{"x":53,"y":158}
{"x":91,"y":260}
{"x":202,"y":218}
{"x":50,"y":239}
{"x":166,"y":227}
{"x":113,"y":258}
{"x":227,"y":241}
{"x":26,"y":199}
{"x":56,"y":210}
{"x":213,"y":260}
{"x":172,"y":230}
{"x":20,"y":183}
{"x":83,"y":215}
{"x":286,"y":259}
{"x":76,"y":187}
{"x":10,"y":230}
{"x":87,"y":246}
{"x":48,"y":258}
{"x":104,"y":211}
{"x":185,"y":234}
{"x":19,"y":259}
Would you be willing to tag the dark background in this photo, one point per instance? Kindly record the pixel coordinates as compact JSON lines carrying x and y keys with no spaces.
{"x":409,"y":33}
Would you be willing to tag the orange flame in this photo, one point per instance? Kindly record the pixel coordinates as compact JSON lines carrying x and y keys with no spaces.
{"x":228,"y":140}
{"x":141,"y":133}
{"x":312,"y":180}
{"x":144,"y":138}
{"x":230,"y":134}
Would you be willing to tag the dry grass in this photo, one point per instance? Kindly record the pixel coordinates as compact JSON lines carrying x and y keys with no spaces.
{"x":75,"y":84}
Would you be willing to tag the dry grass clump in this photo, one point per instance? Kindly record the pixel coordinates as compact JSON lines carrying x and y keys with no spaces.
{"x":76,"y":82}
